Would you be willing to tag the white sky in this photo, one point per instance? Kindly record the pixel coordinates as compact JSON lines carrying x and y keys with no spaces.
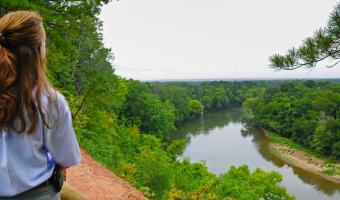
{"x":200,"y":39}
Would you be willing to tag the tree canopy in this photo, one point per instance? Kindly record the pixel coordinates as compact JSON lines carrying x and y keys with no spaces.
{"x":305,"y":112}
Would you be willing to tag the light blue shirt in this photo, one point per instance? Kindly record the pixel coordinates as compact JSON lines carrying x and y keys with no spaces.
{"x":28,"y":160}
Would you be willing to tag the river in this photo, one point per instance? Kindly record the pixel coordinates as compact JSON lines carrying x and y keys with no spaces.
{"x":221,"y":140}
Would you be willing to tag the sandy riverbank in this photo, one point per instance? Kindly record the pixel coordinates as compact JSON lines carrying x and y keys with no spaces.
{"x":304,"y":161}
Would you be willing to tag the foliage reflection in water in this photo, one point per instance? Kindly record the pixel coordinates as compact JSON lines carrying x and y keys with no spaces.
{"x":221,"y":140}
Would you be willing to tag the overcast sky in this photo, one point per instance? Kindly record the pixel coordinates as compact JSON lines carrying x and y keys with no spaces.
{"x":200,"y":39}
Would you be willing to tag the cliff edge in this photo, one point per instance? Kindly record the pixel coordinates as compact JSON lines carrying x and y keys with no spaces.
{"x":95,"y":181}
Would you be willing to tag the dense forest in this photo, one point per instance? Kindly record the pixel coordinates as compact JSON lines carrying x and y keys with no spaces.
{"x":308,"y":113}
{"x":127,"y":124}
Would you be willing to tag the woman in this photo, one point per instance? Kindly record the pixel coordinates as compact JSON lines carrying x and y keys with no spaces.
{"x":36,"y":132}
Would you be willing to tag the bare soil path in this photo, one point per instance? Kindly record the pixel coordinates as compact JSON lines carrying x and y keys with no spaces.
{"x":96,"y":182}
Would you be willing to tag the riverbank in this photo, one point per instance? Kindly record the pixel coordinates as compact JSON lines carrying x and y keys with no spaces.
{"x":303,"y":158}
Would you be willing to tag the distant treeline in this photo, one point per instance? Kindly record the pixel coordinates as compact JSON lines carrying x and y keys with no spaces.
{"x":157,"y":108}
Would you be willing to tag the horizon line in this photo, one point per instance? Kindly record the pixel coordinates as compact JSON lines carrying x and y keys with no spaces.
{"x":232,"y":79}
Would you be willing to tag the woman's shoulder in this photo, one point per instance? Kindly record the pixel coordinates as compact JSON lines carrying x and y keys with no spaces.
{"x":55,"y":101}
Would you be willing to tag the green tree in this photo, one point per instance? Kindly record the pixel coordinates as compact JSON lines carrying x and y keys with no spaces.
{"x":323,"y":45}
{"x":176,"y":148}
{"x":147,"y":111}
{"x":195,"y":107}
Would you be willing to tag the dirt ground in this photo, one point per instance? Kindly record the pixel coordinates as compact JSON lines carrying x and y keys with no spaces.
{"x":95,"y":182}
{"x":304,"y":161}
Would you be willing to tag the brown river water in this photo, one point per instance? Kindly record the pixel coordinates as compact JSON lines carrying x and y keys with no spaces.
{"x":222,"y":140}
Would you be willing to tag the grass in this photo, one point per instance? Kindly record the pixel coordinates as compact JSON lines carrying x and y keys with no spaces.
{"x":333,"y":169}
{"x":282,"y":140}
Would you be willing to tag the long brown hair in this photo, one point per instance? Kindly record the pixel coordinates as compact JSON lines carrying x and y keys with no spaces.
{"x":22,"y":70}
